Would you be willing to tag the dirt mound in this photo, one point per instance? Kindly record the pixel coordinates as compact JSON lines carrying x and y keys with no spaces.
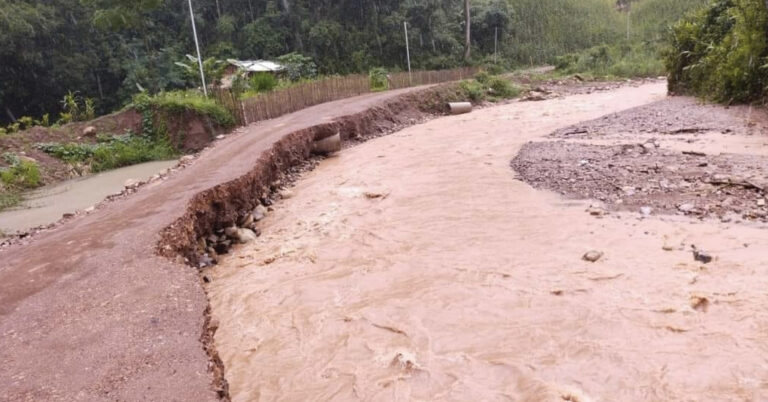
{"x":682,"y":115}
{"x":635,"y":176}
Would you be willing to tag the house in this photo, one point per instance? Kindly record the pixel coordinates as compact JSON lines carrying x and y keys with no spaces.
{"x":248,"y":67}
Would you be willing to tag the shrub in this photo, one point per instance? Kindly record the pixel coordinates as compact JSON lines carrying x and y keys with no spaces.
{"x":482,"y":77}
{"x":298,"y":67}
{"x":502,"y":88}
{"x":23,"y":174}
{"x":473,"y":90}
{"x":112,"y":152}
{"x":378,"y":79}
{"x":721,"y":52}
{"x":178,"y":102}
{"x":262,"y":82}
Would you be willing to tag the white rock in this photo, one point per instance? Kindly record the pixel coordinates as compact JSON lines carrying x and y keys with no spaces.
{"x":259,"y":212}
{"x":646,"y":210}
{"x":286,"y":194}
{"x":761,"y":202}
{"x":244,"y":235}
{"x":131,"y":183}
{"x":687,"y":207}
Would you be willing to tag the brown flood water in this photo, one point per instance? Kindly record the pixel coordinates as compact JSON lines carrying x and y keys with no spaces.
{"x":415,"y":267}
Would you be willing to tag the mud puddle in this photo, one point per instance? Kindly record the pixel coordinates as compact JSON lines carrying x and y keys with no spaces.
{"x":416,"y":267}
{"x":47,"y":205}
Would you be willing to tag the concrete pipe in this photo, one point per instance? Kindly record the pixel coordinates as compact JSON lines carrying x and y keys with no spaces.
{"x":460,"y":107}
{"x":327,"y":145}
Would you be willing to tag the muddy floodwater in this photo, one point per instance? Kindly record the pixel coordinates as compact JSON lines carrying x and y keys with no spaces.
{"x":417,"y":267}
{"x":47,"y":205}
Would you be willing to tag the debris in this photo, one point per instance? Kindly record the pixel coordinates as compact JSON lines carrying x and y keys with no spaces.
{"x":592,"y":256}
{"x":699,"y":303}
{"x":701,"y":255}
{"x":694,"y":153}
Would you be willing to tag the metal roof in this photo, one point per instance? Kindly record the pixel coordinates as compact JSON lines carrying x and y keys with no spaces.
{"x":256,"y":66}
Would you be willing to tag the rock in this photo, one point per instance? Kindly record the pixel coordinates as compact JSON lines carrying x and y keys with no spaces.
{"x":628,"y":190}
{"x":687,"y":207}
{"x":701,"y":255}
{"x":90,"y":209}
{"x":131,"y":183}
{"x":246,"y":220}
{"x":592,"y":256}
{"x":285,"y":194}
{"x":88,"y":131}
{"x":243,"y":235}
{"x":596,"y":211}
{"x":649,"y":146}
{"x":761,"y":202}
{"x":259,"y":212}
{"x":186,"y":159}
{"x":645,"y":211}
{"x":231,"y":231}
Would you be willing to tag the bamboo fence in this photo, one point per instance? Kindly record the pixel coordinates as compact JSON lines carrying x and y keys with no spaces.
{"x":283,"y":101}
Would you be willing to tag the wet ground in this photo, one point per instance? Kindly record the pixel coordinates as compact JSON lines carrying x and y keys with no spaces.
{"x":47,"y":205}
{"x":418,"y":267}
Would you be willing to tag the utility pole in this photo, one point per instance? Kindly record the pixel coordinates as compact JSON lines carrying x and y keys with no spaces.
{"x":197,"y":47}
{"x":629,"y":11}
{"x":407,"y":51}
{"x":495,"y":44}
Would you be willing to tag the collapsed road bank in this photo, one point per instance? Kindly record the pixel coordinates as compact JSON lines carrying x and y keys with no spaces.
{"x":89,"y":311}
{"x":417,"y":267}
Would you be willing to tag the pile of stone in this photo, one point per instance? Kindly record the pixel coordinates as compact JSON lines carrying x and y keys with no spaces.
{"x":219,"y":242}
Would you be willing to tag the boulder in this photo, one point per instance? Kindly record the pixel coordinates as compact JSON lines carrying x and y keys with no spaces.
{"x":89,"y":131}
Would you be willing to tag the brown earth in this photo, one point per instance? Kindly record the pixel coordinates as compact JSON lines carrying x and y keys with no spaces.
{"x":188,"y":132}
{"x":675,"y":156}
{"x":89,"y":312}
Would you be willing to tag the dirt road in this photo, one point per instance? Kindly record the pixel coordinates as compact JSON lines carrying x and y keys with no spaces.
{"x":417,"y":267}
{"x":90,"y":312}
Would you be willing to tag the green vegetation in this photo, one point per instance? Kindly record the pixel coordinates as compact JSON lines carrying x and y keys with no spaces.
{"x":488,"y":87}
{"x":112,"y":152}
{"x":19,"y":175}
{"x":180,"y":102}
{"x":720,"y":52}
{"x":110,"y":50}
{"x":613,"y":61}
{"x":378,"y":79}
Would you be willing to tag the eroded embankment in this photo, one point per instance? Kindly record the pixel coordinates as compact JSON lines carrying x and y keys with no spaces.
{"x":202,"y":227}
{"x":227,"y":204}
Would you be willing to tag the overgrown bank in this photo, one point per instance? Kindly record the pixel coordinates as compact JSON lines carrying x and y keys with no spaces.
{"x":151,"y":128}
{"x":720,"y":52}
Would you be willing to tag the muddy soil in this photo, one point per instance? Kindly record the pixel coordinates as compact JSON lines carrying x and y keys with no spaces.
{"x":668,"y":157}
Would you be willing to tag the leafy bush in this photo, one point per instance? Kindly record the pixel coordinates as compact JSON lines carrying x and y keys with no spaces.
{"x":482,"y":77}
{"x":178,"y":102}
{"x":115,"y":152}
{"x":22,"y":174}
{"x":378,"y":79}
{"x":613,"y":61}
{"x":501,"y":87}
{"x":298,"y":67}
{"x":721,"y":52}
{"x":473,"y":90}
{"x":262,"y":82}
